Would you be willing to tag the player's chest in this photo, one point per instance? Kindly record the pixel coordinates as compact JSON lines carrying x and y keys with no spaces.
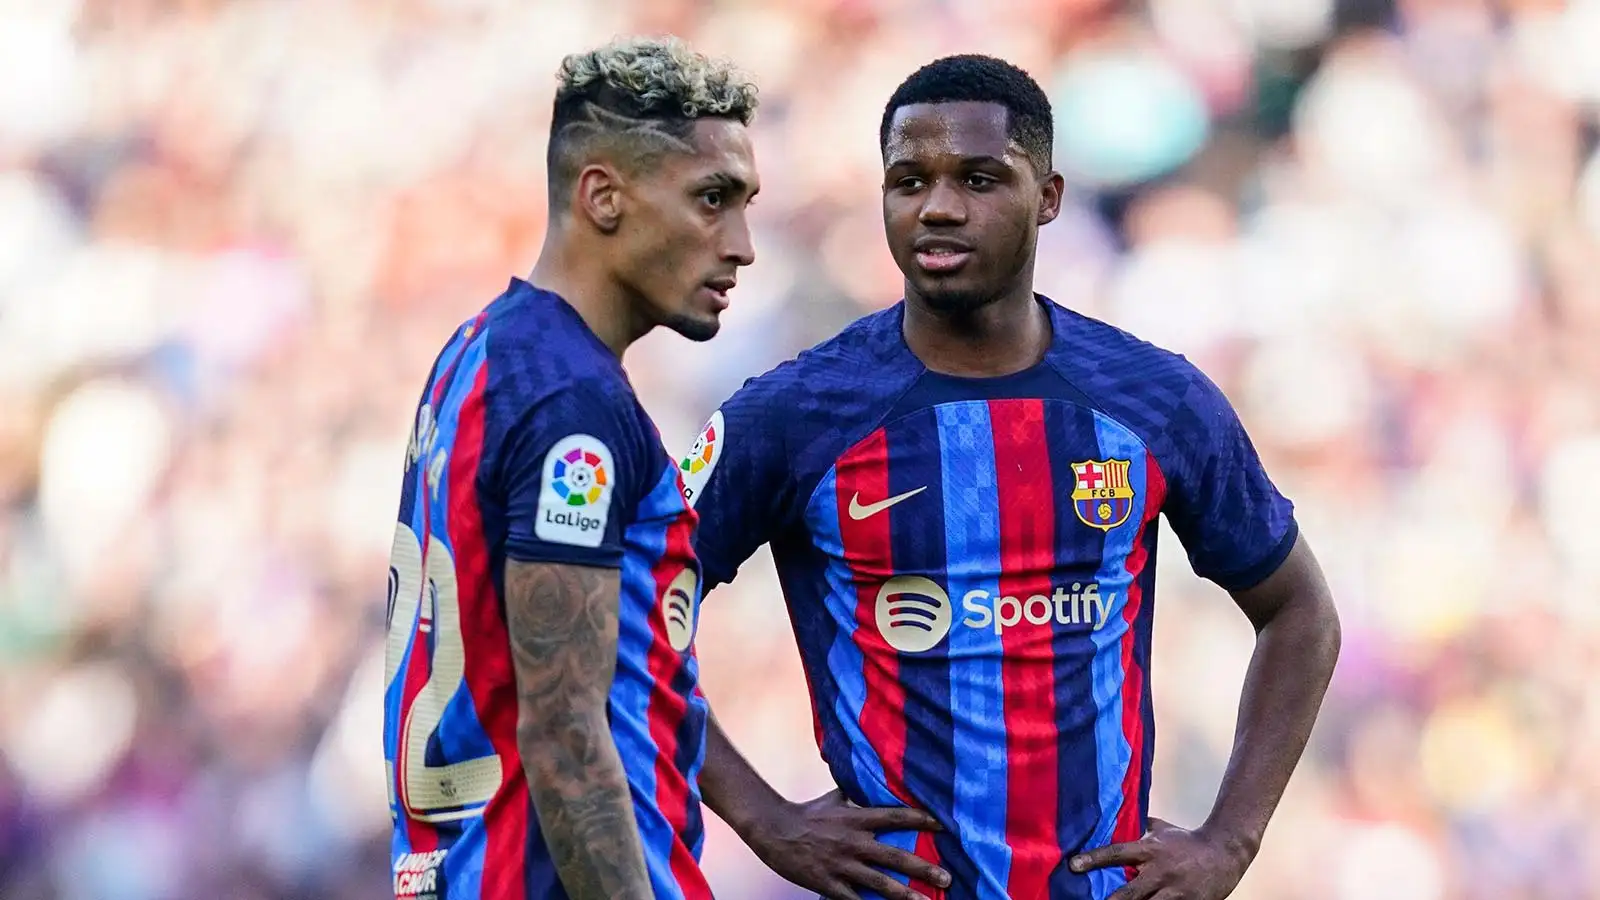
{"x":982,"y":519}
{"x":1043,"y":492}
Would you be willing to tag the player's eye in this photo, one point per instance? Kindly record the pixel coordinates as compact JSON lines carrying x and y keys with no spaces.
{"x":979,"y":181}
{"x":910,"y":183}
{"x":714,"y":198}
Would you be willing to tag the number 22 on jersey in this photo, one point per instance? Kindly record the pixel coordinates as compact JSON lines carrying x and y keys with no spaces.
{"x":425,"y":614}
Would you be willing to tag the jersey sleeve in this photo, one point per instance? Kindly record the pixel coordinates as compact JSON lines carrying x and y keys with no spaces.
{"x":736,"y":476}
{"x":569,"y":477}
{"x":1235,"y":525}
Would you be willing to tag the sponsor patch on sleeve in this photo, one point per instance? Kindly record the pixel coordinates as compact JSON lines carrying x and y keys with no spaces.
{"x":575,"y":498}
{"x":695,"y":467}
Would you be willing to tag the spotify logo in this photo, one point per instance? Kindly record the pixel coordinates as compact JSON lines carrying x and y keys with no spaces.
{"x":677,"y":607}
{"x":914,"y":613}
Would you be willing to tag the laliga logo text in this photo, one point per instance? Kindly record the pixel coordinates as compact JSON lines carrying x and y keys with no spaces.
{"x":914,"y":613}
{"x":571,"y":519}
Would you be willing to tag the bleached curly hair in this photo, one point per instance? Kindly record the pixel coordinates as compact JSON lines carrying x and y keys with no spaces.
{"x":635,"y":99}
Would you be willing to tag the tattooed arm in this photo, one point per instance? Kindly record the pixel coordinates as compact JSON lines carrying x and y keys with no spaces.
{"x":563,"y":626}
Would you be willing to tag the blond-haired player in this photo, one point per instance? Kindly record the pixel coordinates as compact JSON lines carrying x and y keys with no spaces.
{"x":542,"y":718}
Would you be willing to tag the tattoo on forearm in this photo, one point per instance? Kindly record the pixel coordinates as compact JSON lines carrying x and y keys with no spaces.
{"x":563,"y":625}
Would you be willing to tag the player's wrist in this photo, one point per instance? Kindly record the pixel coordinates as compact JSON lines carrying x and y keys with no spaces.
{"x":757,"y":818}
{"x":1240,"y":844}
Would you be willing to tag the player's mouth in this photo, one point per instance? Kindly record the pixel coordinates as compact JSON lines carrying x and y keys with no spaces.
{"x":718,"y":288}
{"x":941,"y":255}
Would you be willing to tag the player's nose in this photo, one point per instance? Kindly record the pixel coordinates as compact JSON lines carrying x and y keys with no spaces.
{"x":738,"y":247}
{"x":943,"y":205}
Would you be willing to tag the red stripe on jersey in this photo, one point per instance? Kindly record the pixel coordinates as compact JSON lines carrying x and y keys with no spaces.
{"x":667,"y":711}
{"x":863,"y":472}
{"x":1130,"y":825}
{"x":928,"y":850}
{"x":488,"y":672}
{"x":1025,"y":497}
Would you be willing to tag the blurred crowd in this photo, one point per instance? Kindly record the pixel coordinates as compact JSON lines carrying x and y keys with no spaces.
{"x":233,"y":234}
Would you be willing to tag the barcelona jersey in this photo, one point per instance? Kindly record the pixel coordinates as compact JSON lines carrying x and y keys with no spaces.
{"x":529,"y":444}
{"x":969,"y":567}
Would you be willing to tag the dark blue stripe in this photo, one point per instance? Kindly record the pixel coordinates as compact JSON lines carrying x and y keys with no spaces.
{"x":1070,"y":434}
{"x":539,"y":869}
{"x":917,"y":541}
{"x":690,"y":735}
{"x":802,"y":570}
{"x":859,"y":774}
{"x":1144,"y":629}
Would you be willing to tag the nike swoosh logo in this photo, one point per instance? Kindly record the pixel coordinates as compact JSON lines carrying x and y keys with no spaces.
{"x":859,"y":512}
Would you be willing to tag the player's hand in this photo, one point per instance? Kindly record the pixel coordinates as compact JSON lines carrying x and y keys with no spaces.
{"x":1173,"y":864}
{"x":830,"y":846}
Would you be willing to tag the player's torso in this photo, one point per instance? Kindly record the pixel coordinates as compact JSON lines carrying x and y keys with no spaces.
{"x":464,"y":824}
{"x":974,"y":605}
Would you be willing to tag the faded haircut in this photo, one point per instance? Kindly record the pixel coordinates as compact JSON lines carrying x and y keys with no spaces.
{"x":635,"y":100}
{"x":973,"y":77}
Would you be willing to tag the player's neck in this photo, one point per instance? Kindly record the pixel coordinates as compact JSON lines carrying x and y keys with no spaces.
{"x":1001,"y":338}
{"x":588,"y":289}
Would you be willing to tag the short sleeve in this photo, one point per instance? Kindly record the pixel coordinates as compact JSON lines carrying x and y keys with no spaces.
{"x":569,"y":477}
{"x":1235,"y":525}
{"x":736,"y":477}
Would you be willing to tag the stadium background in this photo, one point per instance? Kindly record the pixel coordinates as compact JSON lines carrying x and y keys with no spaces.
{"x":232,"y":235}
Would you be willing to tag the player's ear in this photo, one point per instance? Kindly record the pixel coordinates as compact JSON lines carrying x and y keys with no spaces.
{"x":1051,"y":190}
{"x":599,"y":196}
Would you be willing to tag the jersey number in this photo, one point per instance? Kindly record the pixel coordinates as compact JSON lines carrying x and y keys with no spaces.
{"x":425,"y":584}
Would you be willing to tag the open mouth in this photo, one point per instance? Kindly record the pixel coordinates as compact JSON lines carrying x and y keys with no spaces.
{"x":942,"y":257}
{"x":943,"y":260}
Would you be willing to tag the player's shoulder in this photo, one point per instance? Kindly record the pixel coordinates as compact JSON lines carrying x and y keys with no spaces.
{"x":804,"y":409}
{"x":538,"y":347}
{"x":1131,"y":379}
{"x":849,"y":366}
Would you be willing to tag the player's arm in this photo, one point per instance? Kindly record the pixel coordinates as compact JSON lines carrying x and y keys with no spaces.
{"x":737,"y":477}
{"x":562,"y":621}
{"x":562,"y":592}
{"x":1297,"y":645}
{"x":1240,"y":533}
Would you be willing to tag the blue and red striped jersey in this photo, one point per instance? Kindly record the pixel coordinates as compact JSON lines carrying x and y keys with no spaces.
{"x":529,"y":444}
{"x":969,"y":569}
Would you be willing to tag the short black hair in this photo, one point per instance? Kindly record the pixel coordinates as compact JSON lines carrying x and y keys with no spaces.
{"x":972,"y":77}
{"x":638,"y":98}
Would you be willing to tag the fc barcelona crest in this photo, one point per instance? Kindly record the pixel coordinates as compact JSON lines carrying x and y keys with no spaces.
{"x":1102,"y":495}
